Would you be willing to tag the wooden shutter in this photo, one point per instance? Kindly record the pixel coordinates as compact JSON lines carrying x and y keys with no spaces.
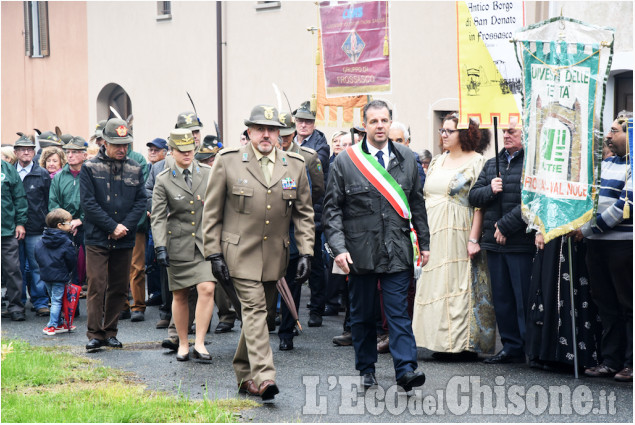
{"x":43,"y":21}
{"x":28,"y":47}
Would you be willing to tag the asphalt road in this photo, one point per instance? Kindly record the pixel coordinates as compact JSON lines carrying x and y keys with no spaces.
{"x":317,"y":380}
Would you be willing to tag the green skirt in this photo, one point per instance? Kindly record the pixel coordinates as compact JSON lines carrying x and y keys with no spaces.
{"x":184,"y":274}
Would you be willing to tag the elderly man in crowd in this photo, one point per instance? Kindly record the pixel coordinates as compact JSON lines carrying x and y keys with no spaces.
{"x":114,"y":199}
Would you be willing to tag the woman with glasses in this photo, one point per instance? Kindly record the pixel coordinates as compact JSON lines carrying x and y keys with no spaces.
{"x":453,"y":312}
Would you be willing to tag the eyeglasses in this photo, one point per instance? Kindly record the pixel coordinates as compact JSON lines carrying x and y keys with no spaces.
{"x":66,"y":223}
{"x":615,"y":130}
{"x":446,"y":131}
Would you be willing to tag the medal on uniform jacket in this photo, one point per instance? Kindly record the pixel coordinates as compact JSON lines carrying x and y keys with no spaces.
{"x":284,"y":161}
{"x":245,"y":157}
{"x":288,"y":183}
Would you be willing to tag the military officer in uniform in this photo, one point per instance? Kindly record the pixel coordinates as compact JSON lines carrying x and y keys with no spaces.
{"x":177,"y":209}
{"x":257,"y":191}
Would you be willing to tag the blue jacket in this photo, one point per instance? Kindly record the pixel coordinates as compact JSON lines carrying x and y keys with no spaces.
{"x":37,"y":185}
{"x":56,"y":256}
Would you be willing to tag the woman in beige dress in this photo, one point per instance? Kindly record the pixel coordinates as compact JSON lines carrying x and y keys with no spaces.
{"x":177,"y":212}
{"x":453,"y":312}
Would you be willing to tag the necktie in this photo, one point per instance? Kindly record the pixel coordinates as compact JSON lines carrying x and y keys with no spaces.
{"x":264,"y":163}
{"x":380,"y":158}
{"x":188,"y":179}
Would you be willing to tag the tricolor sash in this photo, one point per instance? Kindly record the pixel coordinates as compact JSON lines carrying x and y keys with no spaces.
{"x":390,"y":189}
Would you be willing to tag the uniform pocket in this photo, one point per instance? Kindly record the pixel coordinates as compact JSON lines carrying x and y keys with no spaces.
{"x":289,"y":196}
{"x":241,"y":198}
{"x":229,"y":245}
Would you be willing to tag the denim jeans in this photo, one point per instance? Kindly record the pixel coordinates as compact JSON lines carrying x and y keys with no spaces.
{"x":37,"y":288}
{"x":56,"y":292}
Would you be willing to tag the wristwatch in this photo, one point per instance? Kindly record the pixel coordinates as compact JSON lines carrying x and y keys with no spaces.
{"x":473,"y":241}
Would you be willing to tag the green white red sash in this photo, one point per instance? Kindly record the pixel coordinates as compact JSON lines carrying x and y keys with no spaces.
{"x":390,"y":189}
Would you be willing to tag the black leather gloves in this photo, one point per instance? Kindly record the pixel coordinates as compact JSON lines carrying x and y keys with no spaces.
{"x":219,"y":267}
{"x":304,"y":268}
{"x":162,"y":256}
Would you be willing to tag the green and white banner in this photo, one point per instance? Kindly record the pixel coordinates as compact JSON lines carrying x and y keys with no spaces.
{"x":565,"y":65}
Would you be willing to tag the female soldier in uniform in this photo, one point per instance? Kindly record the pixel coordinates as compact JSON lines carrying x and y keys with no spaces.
{"x":177,"y":209}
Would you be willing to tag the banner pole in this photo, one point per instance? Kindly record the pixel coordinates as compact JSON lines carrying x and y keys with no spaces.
{"x":498,"y":172}
{"x":575,"y":343}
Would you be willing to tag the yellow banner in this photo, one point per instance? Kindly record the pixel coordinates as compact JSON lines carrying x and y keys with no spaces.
{"x":484,"y":55}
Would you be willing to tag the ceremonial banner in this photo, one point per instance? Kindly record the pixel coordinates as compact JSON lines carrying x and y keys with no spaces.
{"x":489,"y":75}
{"x":355,"y":48}
{"x":352,"y":106}
{"x":565,"y":65}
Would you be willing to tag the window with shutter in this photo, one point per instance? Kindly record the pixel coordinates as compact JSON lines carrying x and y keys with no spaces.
{"x":164,"y":10}
{"x":36,"y":29}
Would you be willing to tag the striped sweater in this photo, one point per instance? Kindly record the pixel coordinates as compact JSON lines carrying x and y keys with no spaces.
{"x":615,"y":186}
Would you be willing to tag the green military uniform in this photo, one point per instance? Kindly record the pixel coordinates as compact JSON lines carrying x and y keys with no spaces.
{"x":64,"y":193}
{"x":247,"y":220}
{"x":180,"y":231}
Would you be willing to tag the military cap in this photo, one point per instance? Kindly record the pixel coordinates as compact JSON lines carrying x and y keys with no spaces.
{"x":210,"y":147}
{"x":286,"y":119}
{"x":99,"y":129}
{"x":65,"y":138}
{"x":77,"y":143}
{"x":25,"y":142}
{"x":264,"y":115}
{"x":188,"y":120}
{"x":304,"y":111}
{"x":116,"y":132}
{"x":181,"y":139}
{"x":48,"y":138}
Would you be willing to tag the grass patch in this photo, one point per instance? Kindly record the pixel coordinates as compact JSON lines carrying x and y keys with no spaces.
{"x":44,"y":384}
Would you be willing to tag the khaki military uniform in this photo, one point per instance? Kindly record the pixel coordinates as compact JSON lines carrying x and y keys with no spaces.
{"x":177,"y":213}
{"x":247,"y":220}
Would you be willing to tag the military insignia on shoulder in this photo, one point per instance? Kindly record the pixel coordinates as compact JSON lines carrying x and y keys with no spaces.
{"x":288,"y":183}
{"x":319,"y":166}
{"x":227,"y":150}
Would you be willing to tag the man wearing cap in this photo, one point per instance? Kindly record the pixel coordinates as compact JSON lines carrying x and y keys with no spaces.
{"x":99,"y":133}
{"x":316,"y":181}
{"x":190,"y":121}
{"x":36,"y":182}
{"x":157,"y":150}
{"x":114,"y":199}
{"x":257,"y":190}
{"x":308,"y":136}
{"x":14,"y":217}
{"x":64,"y":192}
{"x":226,"y":313}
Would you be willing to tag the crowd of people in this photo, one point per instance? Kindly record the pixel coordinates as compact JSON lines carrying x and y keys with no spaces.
{"x":416,"y":251}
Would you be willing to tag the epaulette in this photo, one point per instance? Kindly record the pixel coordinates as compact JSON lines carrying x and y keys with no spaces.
{"x":228,"y":150}
{"x":309,"y":150}
{"x":165,"y":170}
{"x":200,"y":164}
{"x":295,"y":155}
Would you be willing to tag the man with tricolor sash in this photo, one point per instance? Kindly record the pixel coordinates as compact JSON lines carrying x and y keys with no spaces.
{"x":375,"y":222}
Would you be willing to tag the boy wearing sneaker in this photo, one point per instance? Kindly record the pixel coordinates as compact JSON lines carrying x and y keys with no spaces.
{"x":56,"y":257}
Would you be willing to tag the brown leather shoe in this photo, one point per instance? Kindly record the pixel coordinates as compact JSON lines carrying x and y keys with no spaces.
{"x":248,"y":387}
{"x":382,"y":344}
{"x":624,"y":375}
{"x":268,"y":390}
{"x":601,"y":371}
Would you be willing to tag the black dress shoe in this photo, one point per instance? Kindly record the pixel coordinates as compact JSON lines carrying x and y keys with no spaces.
{"x":504,"y":357}
{"x":183,"y":358}
{"x":411,"y":379}
{"x":201,"y":356}
{"x":125,"y":314}
{"x":315,"y":320}
{"x":113,"y":342}
{"x":94,"y":344}
{"x":268,"y":389}
{"x":18,"y":316}
{"x":369,"y":380}
{"x":223,"y":327}
{"x":286,"y":344}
